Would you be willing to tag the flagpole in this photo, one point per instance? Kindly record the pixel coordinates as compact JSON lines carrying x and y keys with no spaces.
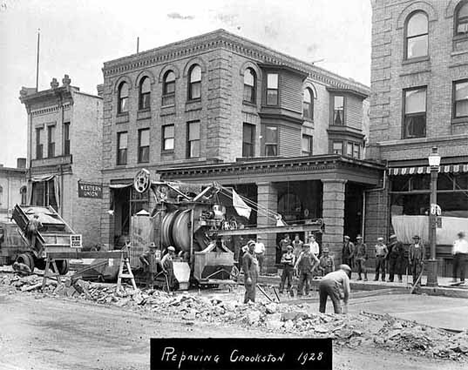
{"x":37,"y":61}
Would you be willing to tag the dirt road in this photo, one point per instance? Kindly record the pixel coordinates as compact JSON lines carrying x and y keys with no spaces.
{"x":40,"y":333}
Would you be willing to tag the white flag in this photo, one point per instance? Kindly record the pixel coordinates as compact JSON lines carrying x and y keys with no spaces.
{"x":242,"y":209}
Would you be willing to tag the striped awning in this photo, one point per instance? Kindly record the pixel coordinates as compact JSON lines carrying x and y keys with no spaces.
{"x":449,"y":168}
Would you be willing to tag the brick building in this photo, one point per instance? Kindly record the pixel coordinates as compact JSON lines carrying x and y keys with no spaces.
{"x":419,"y":98}
{"x":64,"y":154}
{"x":217,"y":107}
{"x":12,"y":187}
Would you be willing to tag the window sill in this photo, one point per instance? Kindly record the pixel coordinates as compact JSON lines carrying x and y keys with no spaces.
{"x":122,"y":117}
{"x":167,"y":152}
{"x":121,"y":164}
{"x":309,"y":120}
{"x":415,"y":60}
{"x":459,"y":120}
{"x":248,"y":103}
{"x":143,"y":114}
{"x":142,"y":110}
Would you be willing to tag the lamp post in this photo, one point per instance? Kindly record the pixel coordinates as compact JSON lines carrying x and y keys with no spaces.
{"x":434,"y":163}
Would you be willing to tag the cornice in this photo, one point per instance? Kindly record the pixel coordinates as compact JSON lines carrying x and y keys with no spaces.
{"x":222,"y":39}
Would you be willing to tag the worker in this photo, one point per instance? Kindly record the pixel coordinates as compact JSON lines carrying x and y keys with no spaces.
{"x":281,"y":248}
{"x":288,"y":261}
{"x":396,"y":254}
{"x":347,"y":253}
{"x":297,"y":245}
{"x":250,"y":267}
{"x":460,"y":254}
{"x":381,"y":252}
{"x":167,"y":264}
{"x":360,"y":257}
{"x":332,"y":285}
{"x":34,"y":225}
{"x":148,"y":260}
{"x":304,"y":267}
{"x":416,"y":256}
{"x":260,"y":253}
{"x":327,"y":263}
{"x":314,"y":246}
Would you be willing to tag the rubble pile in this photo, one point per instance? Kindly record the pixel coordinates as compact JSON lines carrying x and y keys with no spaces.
{"x":300,"y":319}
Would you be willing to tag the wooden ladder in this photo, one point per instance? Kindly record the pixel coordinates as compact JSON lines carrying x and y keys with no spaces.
{"x":125,"y":272}
{"x":48,"y":273}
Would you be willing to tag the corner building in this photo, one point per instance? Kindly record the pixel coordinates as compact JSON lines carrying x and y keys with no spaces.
{"x":419,"y":100}
{"x":64,"y":154}
{"x":217,"y":107}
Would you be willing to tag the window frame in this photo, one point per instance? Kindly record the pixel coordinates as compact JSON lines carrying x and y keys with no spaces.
{"x":122,"y":101}
{"x":310,"y":109}
{"x":272,"y":144}
{"x":408,"y":19}
{"x":122,"y":153}
{"x":66,"y":138}
{"x":192,"y":84}
{"x":311,"y":145}
{"x":270,"y":89}
{"x":334,"y":110}
{"x":168,"y":98}
{"x":252,"y":88}
{"x":51,"y":143}
{"x":39,"y":145}
{"x":144,"y":98}
{"x":454,"y":101}
{"x":24,"y":195}
{"x":191,"y":142}
{"x":457,"y":20}
{"x":164,"y":138}
{"x":246,"y":146}
{"x":143,"y":150}
{"x":333,"y":146}
{"x":404,"y":115}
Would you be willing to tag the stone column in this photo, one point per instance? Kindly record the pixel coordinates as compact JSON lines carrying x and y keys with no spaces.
{"x":267,"y":198}
{"x":333,"y":205}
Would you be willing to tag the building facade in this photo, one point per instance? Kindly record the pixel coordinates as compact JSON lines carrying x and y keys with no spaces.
{"x":64,"y":154}
{"x":13,"y":187}
{"x":217,"y":107}
{"x":419,"y":85}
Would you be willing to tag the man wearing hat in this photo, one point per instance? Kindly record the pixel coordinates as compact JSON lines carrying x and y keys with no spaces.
{"x":168,"y":266}
{"x":360,"y":254}
{"x":148,"y":260}
{"x":250,"y":267}
{"x":396,"y":253}
{"x":327,"y":263}
{"x":416,"y":256}
{"x":332,"y":285}
{"x":381,"y":252}
{"x":460,"y":254}
{"x":347,"y":253}
{"x":305,"y":266}
{"x":287,"y":260}
{"x":260,"y":253}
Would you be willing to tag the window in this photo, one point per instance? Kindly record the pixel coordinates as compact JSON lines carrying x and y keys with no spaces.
{"x":143,"y":145}
{"x":248,"y":140}
{"x":51,"y":141}
{"x":123,"y":98}
{"x":272,"y":89}
{"x":1,"y":195}
{"x":349,"y":149}
{"x":168,"y":95}
{"x":415,"y":113}
{"x":39,"y":145}
{"x":307,"y":144}
{"x":271,"y":141}
{"x":338,"y":110}
{"x":250,"y":88}
{"x":122,"y":148}
{"x":417,"y":38}
{"x":23,"y":193}
{"x":356,"y":151}
{"x":461,"y":27}
{"x":337,"y":147}
{"x":308,"y":105}
{"x":460,"y":99}
{"x":195,"y":83}
{"x":168,"y":137}
{"x":44,"y":194}
{"x":66,"y":138}
{"x":193,"y":143}
{"x":145,"y":93}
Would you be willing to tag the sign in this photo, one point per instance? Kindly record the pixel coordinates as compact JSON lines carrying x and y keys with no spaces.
{"x":89,"y":190}
{"x":439,"y":222}
{"x":76,"y":241}
{"x":435,"y":209}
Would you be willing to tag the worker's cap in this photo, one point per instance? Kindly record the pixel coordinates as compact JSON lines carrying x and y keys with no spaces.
{"x":345,"y":267}
{"x":358,"y":237}
{"x":416,"y":237}
{"x":251,"y":242}
{"x":461,"y":234}
{"x":171,"y":248}
{"x":289,"y":247}
{"x":326,"y":250}
{"x":380,"y":239}
{"x":346,"y":237}
{"x":393,"y":236}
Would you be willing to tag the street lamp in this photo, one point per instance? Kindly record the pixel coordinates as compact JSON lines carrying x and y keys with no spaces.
{"x":434,"y":163}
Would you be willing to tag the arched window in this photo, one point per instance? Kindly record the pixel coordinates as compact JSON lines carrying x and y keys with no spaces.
{"x":123,"y":98}
{"x":23,"y":192}
{"x":461,"y":19}
{"x":145,"y":93}
{"x":194,"y":82}
{"x":308,"y":105}
{"x":168,"y":93}
{"x":250,"y":82}
{"x":417,"y":36}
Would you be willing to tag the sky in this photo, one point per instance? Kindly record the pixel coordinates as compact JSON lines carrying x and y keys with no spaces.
{"x":78,"y":36}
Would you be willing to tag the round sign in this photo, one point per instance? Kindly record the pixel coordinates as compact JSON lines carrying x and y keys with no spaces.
{"x":141,"y":182}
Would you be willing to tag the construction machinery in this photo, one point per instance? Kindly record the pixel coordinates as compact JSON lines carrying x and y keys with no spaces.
{"x":18,"y":245}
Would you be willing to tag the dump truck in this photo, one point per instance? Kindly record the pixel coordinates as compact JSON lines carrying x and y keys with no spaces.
{"x":18,"y":245}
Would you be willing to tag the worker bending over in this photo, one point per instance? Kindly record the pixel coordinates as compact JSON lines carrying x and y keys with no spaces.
{"x":336,"y":285}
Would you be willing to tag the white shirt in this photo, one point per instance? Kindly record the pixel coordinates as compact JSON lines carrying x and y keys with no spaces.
{"x":259,"y":248}
{"x":314,"y":248}
{"x":460,"y":246}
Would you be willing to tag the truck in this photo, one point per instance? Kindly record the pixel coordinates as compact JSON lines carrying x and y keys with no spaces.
{"x":17,"y":243}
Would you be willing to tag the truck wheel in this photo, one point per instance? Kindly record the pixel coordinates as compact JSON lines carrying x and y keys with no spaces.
{"x":26,"y":259}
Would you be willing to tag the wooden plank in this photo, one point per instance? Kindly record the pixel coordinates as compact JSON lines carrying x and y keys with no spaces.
{"x":270,"y":230}
{"x":79,"y":255}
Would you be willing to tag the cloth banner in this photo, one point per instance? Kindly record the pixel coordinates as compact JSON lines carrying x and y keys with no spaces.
{"x":241,"y":207}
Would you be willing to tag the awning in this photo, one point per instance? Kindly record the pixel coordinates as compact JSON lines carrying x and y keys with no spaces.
{"x":450,"y":168}
{"x":120,"y":186}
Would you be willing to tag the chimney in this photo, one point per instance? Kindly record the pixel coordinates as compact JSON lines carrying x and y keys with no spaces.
{"x":54,"y":83}
{"x":21,"y":162}
{"x":66,"y":80}
{"x":100,"y":90}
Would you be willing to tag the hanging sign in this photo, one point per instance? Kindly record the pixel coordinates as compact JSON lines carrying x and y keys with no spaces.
{"x":89,"y":190}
